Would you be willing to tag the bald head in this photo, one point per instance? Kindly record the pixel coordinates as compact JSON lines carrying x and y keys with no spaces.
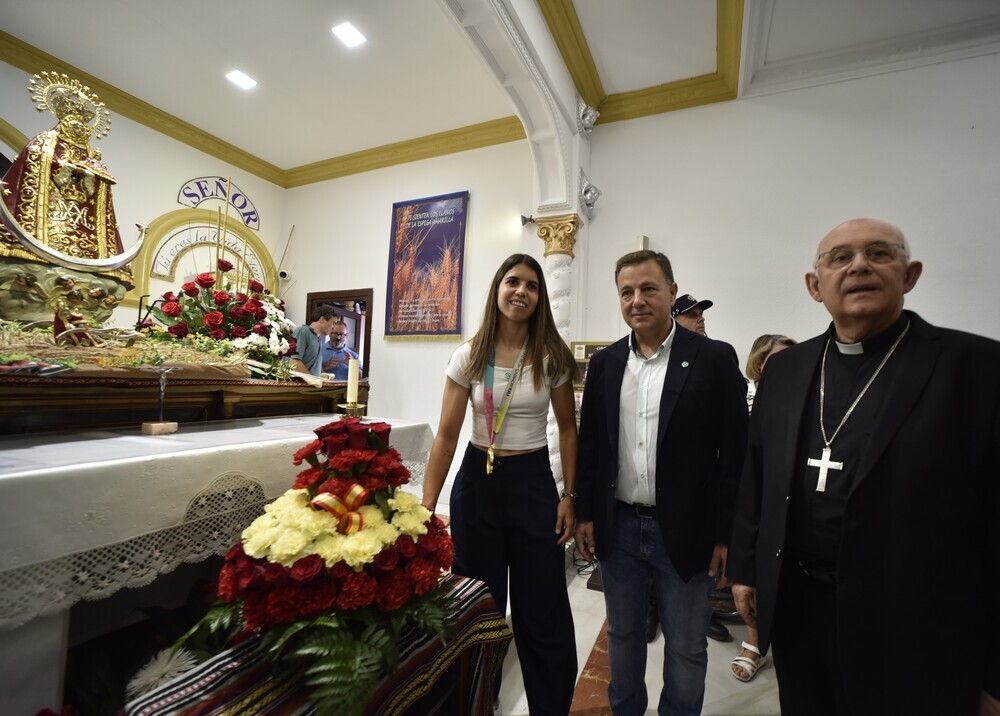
{"x":861,"y":271}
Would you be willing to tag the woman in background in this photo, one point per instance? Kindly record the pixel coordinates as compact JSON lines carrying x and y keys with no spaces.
{"x":750,"y":660}
{"x":508,"y":520}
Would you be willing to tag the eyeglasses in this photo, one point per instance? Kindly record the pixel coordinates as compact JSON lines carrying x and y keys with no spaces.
{"x":341,"y":335}
{"x":878,"y":252}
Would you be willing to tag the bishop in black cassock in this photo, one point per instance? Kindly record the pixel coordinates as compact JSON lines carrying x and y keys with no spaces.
{"x":867,"y":534}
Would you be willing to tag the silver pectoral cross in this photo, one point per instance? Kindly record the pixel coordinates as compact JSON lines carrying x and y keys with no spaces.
{"x":825,"y":464}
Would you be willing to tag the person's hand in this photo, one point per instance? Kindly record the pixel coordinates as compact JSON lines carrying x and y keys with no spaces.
{"x":565,"y":519}
{"x":717,"y":567}
{"x":585,"y":539}
{"x":746,"y":603}
{"x":331,"y":365}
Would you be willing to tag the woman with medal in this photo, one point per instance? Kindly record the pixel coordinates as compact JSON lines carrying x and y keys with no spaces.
{"x":508,"y":520}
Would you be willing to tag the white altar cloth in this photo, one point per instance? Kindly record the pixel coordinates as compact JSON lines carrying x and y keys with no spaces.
{"x":85,"y":514}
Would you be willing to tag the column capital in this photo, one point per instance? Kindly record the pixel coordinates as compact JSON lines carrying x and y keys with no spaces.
{"x":558,"y":233}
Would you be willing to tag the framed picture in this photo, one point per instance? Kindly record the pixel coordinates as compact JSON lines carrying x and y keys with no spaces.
{"x":577,"y":401}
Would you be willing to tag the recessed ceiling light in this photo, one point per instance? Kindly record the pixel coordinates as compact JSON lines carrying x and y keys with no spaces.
{"x":241,"y":80}
{"x":349,"y":35}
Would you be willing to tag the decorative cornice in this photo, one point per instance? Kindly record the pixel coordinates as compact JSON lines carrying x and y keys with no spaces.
{"x":561,"y":17}
{"x":12,"y":137}
{"x":719,"y":86}
{"x":558,"y":233}
{"x":498,"y":131}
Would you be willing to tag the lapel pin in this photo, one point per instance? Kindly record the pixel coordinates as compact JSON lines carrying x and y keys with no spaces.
{"x":684,"y":364}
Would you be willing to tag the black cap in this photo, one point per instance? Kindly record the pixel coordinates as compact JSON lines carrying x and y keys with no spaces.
{"x":686,"y":302}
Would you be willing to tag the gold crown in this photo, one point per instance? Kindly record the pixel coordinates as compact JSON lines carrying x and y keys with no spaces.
{"x":69,"y":99}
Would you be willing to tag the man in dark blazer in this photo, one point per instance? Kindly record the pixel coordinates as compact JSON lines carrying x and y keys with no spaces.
{"x":663,"y":430}
{"x":866,"y":537}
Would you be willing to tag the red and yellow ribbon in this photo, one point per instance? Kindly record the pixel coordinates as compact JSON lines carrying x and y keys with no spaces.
{"x":345,"y":508}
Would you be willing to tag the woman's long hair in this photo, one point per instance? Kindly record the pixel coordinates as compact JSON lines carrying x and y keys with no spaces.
{"x":543,"y":338}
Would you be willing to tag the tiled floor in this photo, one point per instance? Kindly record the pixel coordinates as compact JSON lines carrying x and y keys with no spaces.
{"x":724,"y":695}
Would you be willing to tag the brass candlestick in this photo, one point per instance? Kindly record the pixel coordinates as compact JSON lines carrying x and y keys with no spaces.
{"x":353,"y":410}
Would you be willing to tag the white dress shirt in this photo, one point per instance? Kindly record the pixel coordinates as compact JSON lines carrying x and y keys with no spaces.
{"x":638,"y":420}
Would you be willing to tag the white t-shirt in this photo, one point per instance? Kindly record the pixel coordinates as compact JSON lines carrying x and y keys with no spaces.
{"x":524,"y":426}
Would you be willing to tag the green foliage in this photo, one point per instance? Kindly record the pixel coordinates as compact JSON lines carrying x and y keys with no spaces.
{"x":214,"y":631}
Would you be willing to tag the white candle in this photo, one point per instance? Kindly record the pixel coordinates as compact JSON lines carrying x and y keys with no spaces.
{"x":352,"y":381}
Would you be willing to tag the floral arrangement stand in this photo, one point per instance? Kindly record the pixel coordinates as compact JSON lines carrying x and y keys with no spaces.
{"x":335,"y":570}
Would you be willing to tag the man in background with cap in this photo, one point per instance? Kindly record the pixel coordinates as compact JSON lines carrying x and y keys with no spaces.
{"x":689,"y":312}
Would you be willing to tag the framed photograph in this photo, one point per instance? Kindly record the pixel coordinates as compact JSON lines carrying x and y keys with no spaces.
{"x":577,"y":402}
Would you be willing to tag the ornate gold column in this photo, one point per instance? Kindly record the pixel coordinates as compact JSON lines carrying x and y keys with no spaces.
{"x":558,"y":233}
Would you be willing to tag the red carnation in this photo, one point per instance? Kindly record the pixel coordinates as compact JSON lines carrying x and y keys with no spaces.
{"x":224,"y":265}
{"x":229,"y":589}
{"x":260,"y":329}
{"x":394,"y":591}
{"x":309,"y":477}
{"x":238,"y":332}
{"x":406,"y":546}
{"x":214,"y":319}
{"x":236,"y":551}
{"x":358,"y":591}
{"x":255,"y":611}
{"x":217,"y":335}
{"x":423,"y":574}
{"x":347,"y":459}
{"x":172,"y":309}
{"x":190,"y":289}
{"x":317,"y":597}
{"x":281,"y":606}
{"x":178,"y":330}
{"x":306,"y":452}
{"x":255,"y":286}
{"x":205,"y":280}
{"x":170,"y":296}
{"x":308,"y":568}
{"x":336,"y":486}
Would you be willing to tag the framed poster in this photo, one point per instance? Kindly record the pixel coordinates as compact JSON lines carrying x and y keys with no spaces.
{"x":426,"y":261}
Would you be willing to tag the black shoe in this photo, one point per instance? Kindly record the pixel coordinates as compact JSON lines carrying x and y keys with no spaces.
{"x":652,"y":623}
{"x":717,"y":630}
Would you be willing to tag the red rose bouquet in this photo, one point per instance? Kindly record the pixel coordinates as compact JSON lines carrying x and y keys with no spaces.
{"x":227,"y":320}
{"x":337,"y":566}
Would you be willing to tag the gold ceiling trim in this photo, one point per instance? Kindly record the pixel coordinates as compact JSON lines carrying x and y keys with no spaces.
{"x":12,"y":137}
{"x":498,"y":131}
{"x":719,"y":86}
{"x":561,"y":17}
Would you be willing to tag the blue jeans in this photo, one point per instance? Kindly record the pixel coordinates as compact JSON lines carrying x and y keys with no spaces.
{"x":636,"y":558}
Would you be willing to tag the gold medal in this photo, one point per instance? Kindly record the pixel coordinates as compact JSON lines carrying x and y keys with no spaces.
{"x":489,"y":461}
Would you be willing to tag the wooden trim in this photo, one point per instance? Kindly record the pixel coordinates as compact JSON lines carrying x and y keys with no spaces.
{"x":12,"y":137}
{"x":356,"y":294}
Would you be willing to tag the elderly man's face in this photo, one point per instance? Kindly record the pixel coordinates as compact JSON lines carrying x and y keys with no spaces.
{"x":338,"y":336}
{"x":865,"y":289}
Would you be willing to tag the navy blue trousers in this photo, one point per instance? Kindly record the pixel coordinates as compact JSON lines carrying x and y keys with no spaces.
{"x":504,"y":530}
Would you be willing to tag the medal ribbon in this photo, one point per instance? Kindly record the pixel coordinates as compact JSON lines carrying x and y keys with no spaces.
{"x":345,"y":509}
{"x":494,"y":428}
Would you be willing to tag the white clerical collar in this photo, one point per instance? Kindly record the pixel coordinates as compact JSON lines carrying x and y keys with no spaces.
{"x":850,"y":349}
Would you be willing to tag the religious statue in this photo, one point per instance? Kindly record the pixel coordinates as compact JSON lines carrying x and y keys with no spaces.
{"x":61,"y":255}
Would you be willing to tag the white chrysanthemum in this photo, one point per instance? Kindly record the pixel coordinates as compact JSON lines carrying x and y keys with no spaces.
{"x":163,"y":667}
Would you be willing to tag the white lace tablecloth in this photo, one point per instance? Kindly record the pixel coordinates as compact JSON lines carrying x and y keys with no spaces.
{"x":84,"y":514}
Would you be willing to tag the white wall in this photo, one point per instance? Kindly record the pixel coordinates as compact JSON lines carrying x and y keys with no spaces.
{"x":738,"y":195}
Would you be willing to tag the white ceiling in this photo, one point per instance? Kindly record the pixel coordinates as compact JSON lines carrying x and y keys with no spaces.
{"x":417,"y":75}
